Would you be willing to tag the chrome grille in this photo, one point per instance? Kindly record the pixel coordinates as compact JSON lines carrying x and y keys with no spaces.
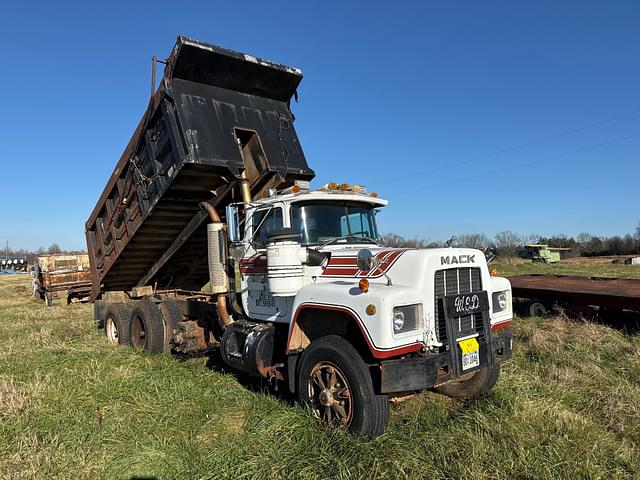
{"x":451,"y":282}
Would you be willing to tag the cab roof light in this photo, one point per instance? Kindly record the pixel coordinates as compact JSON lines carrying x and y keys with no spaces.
{"x":344,"y":187}
{"x":329,"y":186}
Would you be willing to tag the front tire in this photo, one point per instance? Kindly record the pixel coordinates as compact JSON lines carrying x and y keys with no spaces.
{"x":335,"y":382}
{"x":479,"y":383}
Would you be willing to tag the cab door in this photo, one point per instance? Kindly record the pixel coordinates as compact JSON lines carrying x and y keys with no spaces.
{"x":257,"y":299}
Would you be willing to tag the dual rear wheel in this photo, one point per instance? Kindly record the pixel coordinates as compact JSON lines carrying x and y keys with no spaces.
{"x":141,"y":325}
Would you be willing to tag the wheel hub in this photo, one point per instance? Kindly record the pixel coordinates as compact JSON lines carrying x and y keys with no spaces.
{"x":326,"y":398}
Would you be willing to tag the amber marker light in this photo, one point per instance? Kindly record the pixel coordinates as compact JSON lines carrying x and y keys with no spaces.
{"x":296,"y":188}
{"x":363,"y":285}
{"x":494,"y":272}
{"x":374,"y":194}
{"x":371,"y":309}
{"x":332,"y":186}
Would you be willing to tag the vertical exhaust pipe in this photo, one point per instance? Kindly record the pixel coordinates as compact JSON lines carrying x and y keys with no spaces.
{"x":217,"y":260}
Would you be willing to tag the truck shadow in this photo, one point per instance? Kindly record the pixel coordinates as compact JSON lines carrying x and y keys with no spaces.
{"x":251,"y":383}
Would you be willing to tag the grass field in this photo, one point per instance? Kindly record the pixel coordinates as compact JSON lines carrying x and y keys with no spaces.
{"x":566,"y":406}
{"x":570,"y":267}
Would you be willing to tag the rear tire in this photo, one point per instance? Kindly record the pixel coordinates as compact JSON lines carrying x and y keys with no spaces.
{"x":335,"y":382}
{"x":147,"y":327}
{"x":479,"y":383}
{"x":116,"y":324}
{"x":172,"y":317}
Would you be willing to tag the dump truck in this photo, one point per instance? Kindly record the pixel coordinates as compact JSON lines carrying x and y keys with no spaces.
{"x":208,"y":237}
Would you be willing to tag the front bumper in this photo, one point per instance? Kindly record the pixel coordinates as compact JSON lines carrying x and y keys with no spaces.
{"x":426,"y":371}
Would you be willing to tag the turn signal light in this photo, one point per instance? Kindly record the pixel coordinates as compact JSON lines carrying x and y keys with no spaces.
{"x":374,"y":194}
{"x":494,"y":272}
{"x":295,"y":189}
{"x":332,"y":186}
{"x":363,"y":285}
{"x":371,"y":309}
{"x":344,"y":186}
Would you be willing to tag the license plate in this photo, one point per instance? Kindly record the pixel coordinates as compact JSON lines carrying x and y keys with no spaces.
{"x":470,"y":349}
{"x":467,"y":303}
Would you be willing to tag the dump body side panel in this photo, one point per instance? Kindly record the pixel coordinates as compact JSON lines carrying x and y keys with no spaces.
{"x":191,"y":146}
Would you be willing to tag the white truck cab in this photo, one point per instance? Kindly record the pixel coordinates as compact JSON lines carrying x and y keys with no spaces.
{"x":312,"y":269}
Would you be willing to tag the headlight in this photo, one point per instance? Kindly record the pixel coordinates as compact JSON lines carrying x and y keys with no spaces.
{"x":500,"y":301}
{"x":398,"y":321}
{"x":407,"y":318}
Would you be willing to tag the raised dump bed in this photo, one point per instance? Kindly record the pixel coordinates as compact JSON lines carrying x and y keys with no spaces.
{"x":217,"y":116}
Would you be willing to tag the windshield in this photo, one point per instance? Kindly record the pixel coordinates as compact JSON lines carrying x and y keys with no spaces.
{"x":325,"y":222}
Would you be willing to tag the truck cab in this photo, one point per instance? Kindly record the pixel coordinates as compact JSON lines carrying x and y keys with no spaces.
{"x":415,"y":319}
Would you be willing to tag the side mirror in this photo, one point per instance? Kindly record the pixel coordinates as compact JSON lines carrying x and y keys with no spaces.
{"x":366,"y":261}
{"x":233,"y":223}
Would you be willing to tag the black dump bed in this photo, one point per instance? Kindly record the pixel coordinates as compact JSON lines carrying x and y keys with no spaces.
{"x":215,"y":114}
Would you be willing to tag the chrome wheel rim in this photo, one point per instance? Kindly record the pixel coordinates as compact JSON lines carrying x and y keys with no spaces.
{"x":330,"y":395}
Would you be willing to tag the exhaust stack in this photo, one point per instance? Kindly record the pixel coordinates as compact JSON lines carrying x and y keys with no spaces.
{"x":216,"y":248}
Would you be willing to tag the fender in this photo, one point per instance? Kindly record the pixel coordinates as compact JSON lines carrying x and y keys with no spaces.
{"x":376,"y":353}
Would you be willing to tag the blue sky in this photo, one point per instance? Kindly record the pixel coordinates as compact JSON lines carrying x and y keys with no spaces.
{"x":428,"y":103}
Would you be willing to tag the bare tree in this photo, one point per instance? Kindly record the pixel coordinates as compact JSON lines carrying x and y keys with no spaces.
{"x":585,"y":242}
{"x":507,"y":243}
{"x":396,"y":241}
{"x":54,"y":248}
{"x":530,"y":238}
{"x":472,"y":240}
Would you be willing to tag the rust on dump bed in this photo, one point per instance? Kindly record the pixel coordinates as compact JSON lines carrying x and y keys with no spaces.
{"x":596,"y":291}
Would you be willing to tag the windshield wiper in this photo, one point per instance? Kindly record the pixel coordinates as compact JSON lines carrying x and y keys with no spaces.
{"x":346,"y":237}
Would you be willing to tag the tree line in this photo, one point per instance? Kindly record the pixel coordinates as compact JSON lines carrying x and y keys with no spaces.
{"x":510,"y":244}
{"x":31,"y":255}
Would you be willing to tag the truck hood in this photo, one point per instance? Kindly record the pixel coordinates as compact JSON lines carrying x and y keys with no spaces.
{"x":404,"y":266}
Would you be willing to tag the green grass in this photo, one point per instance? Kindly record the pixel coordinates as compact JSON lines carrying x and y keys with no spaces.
{"x":566,"y":406}
{"x":585,"y":269}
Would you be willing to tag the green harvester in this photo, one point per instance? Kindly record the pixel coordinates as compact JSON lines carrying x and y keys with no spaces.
{"x":544,"y":253}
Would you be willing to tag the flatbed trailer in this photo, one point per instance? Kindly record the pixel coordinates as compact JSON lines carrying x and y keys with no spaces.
{"x":575,"y":293}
